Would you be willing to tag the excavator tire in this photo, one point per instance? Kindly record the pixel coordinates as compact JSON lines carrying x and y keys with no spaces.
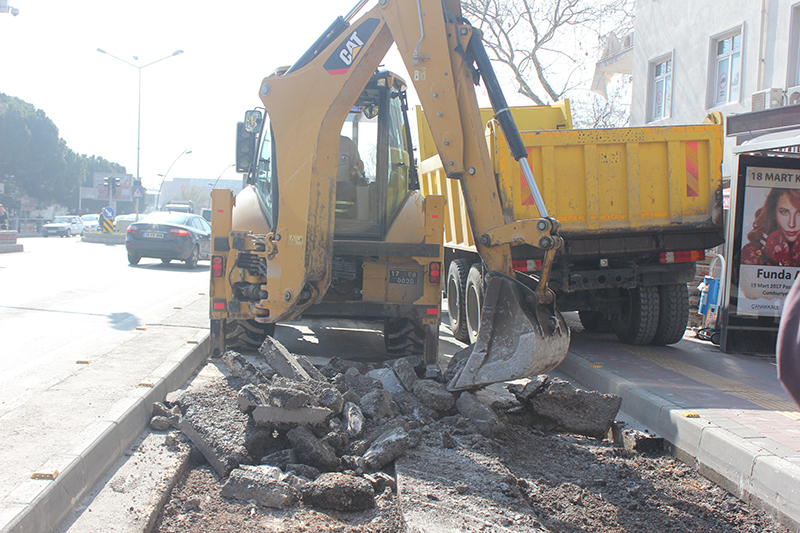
{"x":403,"y":336}
{"x":247,"y":333}
{"x":474,"y":301}
{"x":456,"y":295}
{"x":595,"y":322}
{"x":638,"y":320}
{"x":673,"y":313}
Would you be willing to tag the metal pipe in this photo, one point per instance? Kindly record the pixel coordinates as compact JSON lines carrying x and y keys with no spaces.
{"x":355,"y":10}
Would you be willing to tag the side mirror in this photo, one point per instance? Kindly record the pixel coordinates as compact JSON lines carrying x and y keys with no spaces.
{"x":371,"y":111}
{"x":252,"y":121}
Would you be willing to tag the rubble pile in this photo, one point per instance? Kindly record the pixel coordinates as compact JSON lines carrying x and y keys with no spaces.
{"x":286,"y":431}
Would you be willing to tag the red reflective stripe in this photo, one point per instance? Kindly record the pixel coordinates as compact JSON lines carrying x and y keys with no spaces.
{"x":219,"y":306}
{"x":433,"y":310}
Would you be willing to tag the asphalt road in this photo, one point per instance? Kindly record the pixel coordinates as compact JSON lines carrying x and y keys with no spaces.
{"x":64,"y":300}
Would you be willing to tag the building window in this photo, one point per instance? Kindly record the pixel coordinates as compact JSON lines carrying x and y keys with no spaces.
{"x":728,"y":70}
{"x":793,"y":74}
{"x":662,"y":89}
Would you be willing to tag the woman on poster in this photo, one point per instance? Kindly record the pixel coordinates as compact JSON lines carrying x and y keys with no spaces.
{"x":773,"y":240}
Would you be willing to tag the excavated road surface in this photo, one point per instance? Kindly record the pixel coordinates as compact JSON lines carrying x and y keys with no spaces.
{"x":525,"y":481}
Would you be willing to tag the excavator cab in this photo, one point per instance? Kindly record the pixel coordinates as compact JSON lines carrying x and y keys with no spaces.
{"x":375,"y":169}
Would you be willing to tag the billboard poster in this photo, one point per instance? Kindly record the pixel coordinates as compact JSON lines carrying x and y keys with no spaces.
{"x":767,"y":235}
{"x":121,"y":191}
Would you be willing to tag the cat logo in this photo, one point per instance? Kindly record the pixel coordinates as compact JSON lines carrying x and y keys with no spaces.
{"x":351,"y":50}
{"x":346,"y":54}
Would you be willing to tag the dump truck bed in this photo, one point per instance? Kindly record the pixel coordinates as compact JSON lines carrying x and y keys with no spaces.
{"x":613,"y":190}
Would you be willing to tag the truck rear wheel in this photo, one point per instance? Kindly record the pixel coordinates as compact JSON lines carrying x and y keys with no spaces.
{"x":247,"y":333}
{"x":456,"y":292}
{"x":595,"y":321}
{"x":638,"y":318}
{"x":673,"y":313}
{"x":403,"y":336}
{"x":474,"y":301}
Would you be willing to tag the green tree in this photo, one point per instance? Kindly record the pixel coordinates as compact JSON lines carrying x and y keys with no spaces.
{"x":36,"y":162}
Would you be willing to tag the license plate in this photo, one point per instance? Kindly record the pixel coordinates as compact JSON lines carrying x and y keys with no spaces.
{"x":152,"y":235}
{"x":400,"y":276}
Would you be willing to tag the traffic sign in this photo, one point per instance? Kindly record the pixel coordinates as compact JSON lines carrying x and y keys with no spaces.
{"x":137,"y":192}
{"x":108,"y":212}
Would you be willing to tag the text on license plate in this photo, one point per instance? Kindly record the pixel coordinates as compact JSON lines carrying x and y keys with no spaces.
{"x":153,"y":235}
{"x":401,"y":276}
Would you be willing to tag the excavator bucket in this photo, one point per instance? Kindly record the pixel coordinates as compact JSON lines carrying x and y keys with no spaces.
{"x":519,"y":336}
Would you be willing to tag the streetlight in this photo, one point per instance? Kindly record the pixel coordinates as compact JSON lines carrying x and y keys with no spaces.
{"x":214,"y":185}
{"x":220,"y":175}
{"x":167,"y":172}
{"x":139,"y":117}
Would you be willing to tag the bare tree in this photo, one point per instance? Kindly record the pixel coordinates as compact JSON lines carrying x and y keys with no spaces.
{"x":549,"y":46}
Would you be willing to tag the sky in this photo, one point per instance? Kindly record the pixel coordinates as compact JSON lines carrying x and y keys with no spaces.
{"x":191,"y":101}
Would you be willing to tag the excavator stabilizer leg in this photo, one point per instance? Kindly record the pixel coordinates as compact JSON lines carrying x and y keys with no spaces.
{"x":519,"y":336}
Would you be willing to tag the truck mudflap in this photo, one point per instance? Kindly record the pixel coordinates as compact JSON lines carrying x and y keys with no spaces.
{"x":520,"y":335}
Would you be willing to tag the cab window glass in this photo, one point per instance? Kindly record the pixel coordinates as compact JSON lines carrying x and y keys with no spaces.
{"x":265,"y":183}
{"x":398,"y":159}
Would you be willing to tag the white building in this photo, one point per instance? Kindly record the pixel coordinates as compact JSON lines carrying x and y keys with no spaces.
{"x":693,"y":57}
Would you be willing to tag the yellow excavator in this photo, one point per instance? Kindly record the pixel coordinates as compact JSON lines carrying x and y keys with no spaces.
{"x":331,"y":222}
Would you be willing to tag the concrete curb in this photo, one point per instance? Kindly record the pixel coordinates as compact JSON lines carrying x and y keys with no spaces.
{"x":43,"y":504}
{"x":758,"y":470}
{"x":9,"y":248}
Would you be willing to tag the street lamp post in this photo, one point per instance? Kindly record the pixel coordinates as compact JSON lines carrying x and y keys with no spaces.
{"x":220,"y":175}
{"x":214,"y":185}
{"x":139,"y":113}
{"x":158,"y":197}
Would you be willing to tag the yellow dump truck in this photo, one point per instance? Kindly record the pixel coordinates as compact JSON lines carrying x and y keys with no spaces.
{"x":637,"y":208}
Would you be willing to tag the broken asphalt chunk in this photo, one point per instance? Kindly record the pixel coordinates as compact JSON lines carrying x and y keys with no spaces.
{"x":213,"y":422}
{"x":340,"y":492}
{"x":353,"y":420}
{"x":261,"y":485}
{"x":576,"y":410}
{"x":385,"y":449}
{"x":282,"y":418}
{"x":312,"y":451}
{"x":480,"y":415}
{"x":434,"y":394}
{"x":240,"y":367}
{"x":282,"y":360}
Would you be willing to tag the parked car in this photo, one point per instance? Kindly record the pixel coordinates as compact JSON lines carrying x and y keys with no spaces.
{"x":91,"y":222}
{"x":121,"y":222}
{"x":65,"y":226}
{"x":167,"y":236}
{"x":183,"y":207}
